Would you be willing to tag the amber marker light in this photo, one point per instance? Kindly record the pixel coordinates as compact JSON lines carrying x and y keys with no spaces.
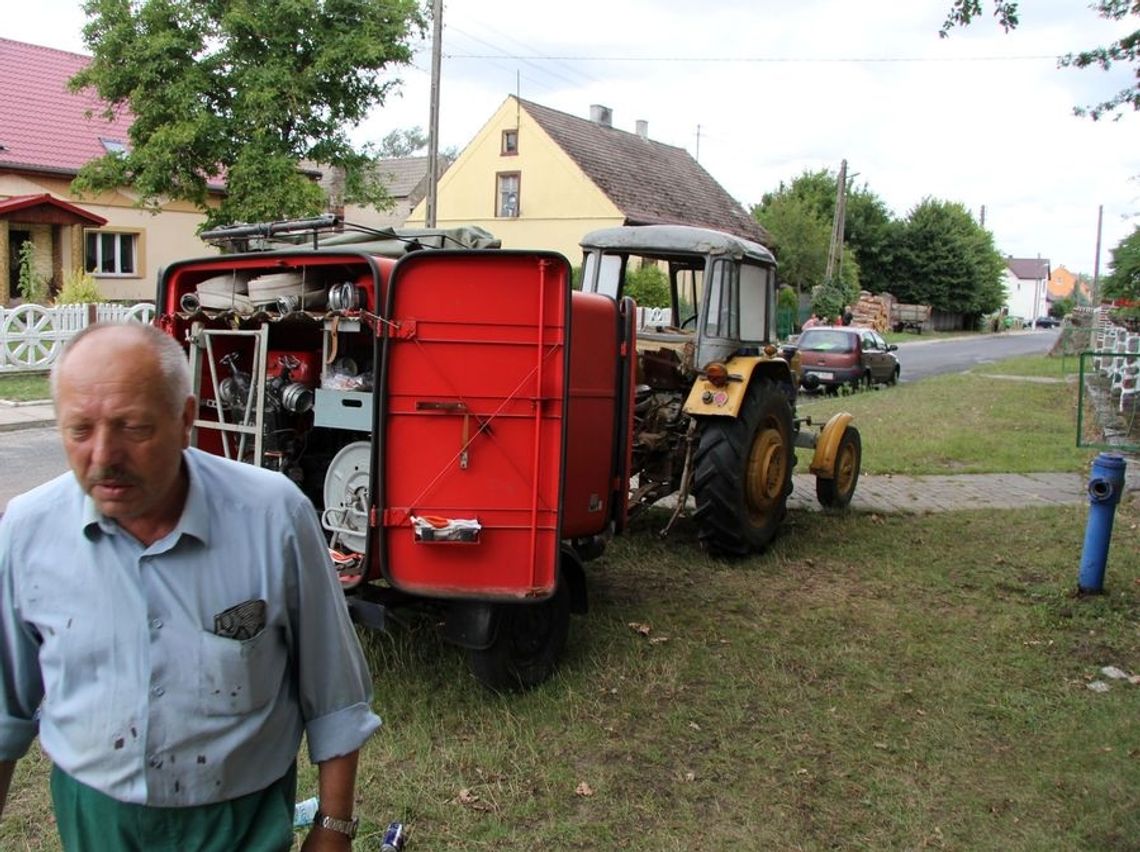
{"x":717,"y":374}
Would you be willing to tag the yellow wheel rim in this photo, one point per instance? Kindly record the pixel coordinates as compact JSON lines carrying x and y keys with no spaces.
{"x":765,"y":473}
{"x":845,"y":467}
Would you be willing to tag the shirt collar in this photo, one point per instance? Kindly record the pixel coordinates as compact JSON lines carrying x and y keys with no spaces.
{"x":194,"y":521}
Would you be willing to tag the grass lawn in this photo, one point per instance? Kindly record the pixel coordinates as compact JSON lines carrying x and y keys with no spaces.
{"x":967,"y":423}
{"x":870,"y":682}
{"x":24,"y":387}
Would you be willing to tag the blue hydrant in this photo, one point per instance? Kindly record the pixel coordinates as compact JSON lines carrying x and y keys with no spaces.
{"x":1105,"y":487}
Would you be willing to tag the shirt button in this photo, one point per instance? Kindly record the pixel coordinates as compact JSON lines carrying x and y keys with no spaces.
{"x":158,"y":692}
{"x":156,"y":624}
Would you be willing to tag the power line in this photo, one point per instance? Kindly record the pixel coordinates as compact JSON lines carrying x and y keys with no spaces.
{"x":763,"y":59}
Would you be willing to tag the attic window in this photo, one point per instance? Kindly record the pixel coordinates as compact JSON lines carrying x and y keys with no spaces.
{"x":113,"y":146}
{"x":510,"y":143}
{"x":507,"y":195}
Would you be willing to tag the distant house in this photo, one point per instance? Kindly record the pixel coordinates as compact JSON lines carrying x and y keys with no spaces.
{"x":539,"y":178}
{"x":46,"y":135}
{"x":1063,"y":284}
{"x":406,"y":179}
{"x":1026,"y":287}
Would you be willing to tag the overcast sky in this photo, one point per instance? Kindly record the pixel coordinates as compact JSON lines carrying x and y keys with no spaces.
{"x":761,"y":90}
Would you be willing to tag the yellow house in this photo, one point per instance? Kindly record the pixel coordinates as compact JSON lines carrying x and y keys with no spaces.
{"x":47,"y":133}
{"x":1063,"y":283}
{"x":539,"y":178}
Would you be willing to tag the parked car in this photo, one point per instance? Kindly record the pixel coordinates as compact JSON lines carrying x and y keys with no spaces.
{"x":833,"y":357}
{"x":1047,"y":322}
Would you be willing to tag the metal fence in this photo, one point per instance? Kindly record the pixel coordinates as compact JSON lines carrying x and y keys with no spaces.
{"x":32,"y":336}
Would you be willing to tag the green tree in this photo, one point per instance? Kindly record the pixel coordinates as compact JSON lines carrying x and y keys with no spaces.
{"x":239,"y":91}
{"x":1126,"y":49}
{"x":403,"y":143}
{"x":946,"y":259}
{"x":1123,"y":280}
{"x":867,"y":223}
{"x":800,"y":238}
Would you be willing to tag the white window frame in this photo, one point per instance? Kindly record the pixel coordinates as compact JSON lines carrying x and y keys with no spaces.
{"x":112,"y":251}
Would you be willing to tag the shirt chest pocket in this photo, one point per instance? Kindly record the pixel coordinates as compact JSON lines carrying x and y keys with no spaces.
{"x":241,"y":676}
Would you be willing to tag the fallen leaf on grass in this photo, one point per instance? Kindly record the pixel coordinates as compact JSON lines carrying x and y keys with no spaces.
{"x":694,"y":726}
{"x":1099,"y":686}
{"x":583,"y":789}
{"x":657,"y":640}
{"x":465,"y":797}
{"x":1114,"y":673}
{"x":690,"y":776}
{"x":643,"y":629}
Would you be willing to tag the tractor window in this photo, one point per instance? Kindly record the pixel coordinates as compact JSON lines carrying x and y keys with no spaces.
{"x":687,"y":285}
{"x":755,"y":311}
{"x":609,"y":274}
{"x":721,"y":319}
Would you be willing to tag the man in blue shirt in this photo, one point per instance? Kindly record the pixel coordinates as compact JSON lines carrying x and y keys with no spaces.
{"x":170,"y":624}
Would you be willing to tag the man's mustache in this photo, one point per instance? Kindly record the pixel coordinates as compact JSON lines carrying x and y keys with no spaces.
{"x":114,"y":476}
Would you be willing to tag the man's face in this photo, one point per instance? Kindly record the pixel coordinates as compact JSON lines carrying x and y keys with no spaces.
{"x":123,"y":440}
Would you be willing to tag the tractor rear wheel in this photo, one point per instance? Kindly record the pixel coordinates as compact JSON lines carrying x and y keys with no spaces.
{"x":528,"y":642}
{"x":836,"y":493}
{"x":743,"y":473}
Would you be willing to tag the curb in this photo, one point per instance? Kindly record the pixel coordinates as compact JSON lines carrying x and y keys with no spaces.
{"x":26,"y":424}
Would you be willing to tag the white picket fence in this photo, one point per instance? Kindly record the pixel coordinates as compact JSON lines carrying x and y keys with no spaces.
{"x":32,"y":336}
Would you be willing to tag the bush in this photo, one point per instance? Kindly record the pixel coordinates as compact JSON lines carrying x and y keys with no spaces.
{"x":828,"y":302}
{"x":648,"y":286}
{"x":33,"y":286}
{"x":79,"y":288}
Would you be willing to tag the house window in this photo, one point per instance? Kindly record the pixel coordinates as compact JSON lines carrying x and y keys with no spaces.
{"x":111,"y":253}
{"x":510,"y":143}
{"x":507,"y":195}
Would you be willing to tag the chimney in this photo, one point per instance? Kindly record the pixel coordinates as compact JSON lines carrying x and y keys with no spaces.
{"x":643,"y":129}
{"x":602,"y":115}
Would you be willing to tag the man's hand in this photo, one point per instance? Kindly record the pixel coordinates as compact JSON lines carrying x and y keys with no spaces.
{"x":326,"y":840}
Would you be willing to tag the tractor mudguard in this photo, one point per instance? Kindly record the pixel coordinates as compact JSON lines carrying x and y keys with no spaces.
{"x":705,"y":398}
{"x":823,"y":462}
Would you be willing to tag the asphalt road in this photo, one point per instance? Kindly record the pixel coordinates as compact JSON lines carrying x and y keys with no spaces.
{"x":922,"y":359}
{"x":27,"y":458}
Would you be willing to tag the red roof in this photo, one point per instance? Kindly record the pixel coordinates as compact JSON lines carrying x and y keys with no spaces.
{"x":18,"y":203}
{"x":43,"y":125}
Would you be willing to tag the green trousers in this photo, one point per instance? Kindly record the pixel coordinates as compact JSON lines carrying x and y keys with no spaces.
{"x":90,"y":821}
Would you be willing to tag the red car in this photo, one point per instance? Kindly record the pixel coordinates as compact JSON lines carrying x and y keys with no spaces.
{"x":831,"y":357}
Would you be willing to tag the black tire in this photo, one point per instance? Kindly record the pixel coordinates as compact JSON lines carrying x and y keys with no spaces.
{"x":529,"y":640}
{"x":743,"y":473}
{"x":836,"y":493}
{"x":894,"y":379}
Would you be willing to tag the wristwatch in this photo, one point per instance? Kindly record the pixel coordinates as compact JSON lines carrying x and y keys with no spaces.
{"x":344,"y":826}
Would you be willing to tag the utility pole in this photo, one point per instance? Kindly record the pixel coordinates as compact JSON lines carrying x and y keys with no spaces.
{"x":1096,"y":260}
{"x":838,"y":224}
{"x":433,"y":120}
{"x":698,"y":157}
{"x":983,"y":222}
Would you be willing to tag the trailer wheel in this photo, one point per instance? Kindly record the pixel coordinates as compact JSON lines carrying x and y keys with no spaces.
{"x":527,"y":644}
{"x":836,"y":493}
{"x":743,"y":473}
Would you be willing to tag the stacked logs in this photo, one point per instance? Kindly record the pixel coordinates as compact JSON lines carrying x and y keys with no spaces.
{"x":872,"y":311}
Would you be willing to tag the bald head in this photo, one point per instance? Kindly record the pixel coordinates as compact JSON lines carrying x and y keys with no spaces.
{"x":131,"y":340}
